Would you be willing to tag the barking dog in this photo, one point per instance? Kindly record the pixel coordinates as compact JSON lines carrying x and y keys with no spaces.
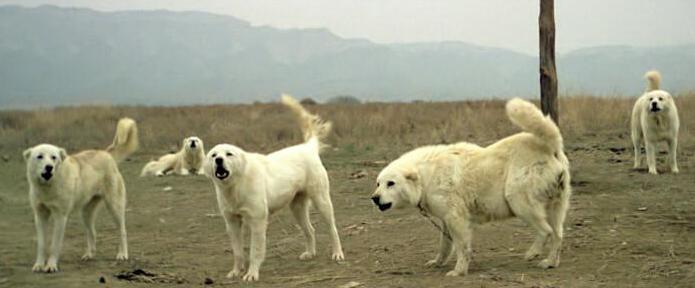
{"x":524,"y":175}
{"x":59,"y":182}
{"x":654,"y":120}
{"x":252,"y":186}
{"x":188,"y":160}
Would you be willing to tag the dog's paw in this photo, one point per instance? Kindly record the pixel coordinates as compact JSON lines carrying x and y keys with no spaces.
{"x":234,"y":273}
{"x":454,"y":273}
{"x":675,"y":170}
{"x":547,"y":264}
{"x":250,"y":276}
{"x":87,"y":256}
{"x":307,"y":255}
{"x":122,"y":257}
{"x":38,"y":267}
{"x":51,"y":268}
{"x":338,"y":256}
{"x":530,"y":255}
{"x":653,"y":172}
{"x":434,"y":263}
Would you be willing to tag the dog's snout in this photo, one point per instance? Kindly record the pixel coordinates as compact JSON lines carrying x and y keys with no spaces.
{"x":48,"y":168}
{"x":375,"y":199}
{"x":219,"y":160}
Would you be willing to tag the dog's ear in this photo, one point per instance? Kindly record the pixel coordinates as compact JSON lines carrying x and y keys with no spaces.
{"x":411,"y":176}
{"x":26,"y":154}
{"x":63,"y":154}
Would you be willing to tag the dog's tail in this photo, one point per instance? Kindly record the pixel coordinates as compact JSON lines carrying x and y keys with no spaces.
{"x":653,"y":80}
{"x":126,"y":140}
{"x":313,"y":127}
{"x":529,"y":118}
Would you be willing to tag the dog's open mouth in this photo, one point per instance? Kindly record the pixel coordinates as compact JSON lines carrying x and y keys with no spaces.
{"x":383,"y":207}
{"x":655,"y":109}
{"x":221,"y":173}
{"x":46,"y":175}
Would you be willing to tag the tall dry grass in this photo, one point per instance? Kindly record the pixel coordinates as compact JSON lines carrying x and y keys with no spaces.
{"x":266,"y":127}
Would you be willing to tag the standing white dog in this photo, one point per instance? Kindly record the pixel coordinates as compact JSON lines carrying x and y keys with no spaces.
{"x":188,"y":160}
{"x":524,"y":175}
{"x":251,"y":186}
{"x":58,"y":183}
{"x":654,"y":120}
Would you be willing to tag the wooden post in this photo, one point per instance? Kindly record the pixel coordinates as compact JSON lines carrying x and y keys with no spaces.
{"x":546,"y":27}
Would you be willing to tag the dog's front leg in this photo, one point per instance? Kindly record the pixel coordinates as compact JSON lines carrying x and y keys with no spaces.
{"x":257,"y":254}
{"x":41,"y":218}
{"x":445,"y":246}
{"x":461,"y":235}
{"x":233,"y":223}
{"x":651,"y":157}
{"x":672,"y":153}
{"x":59,"y":222}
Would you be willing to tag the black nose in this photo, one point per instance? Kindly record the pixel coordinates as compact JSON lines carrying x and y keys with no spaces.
{"x":375,"y":199}
{"x":48,"y":168}
{"x":218,"y":161}
{"x":193,"y":144}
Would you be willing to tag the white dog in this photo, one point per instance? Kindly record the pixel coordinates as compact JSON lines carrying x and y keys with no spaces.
{"x":524,"y":175}
{"x":655,"y":119}
{"x":252,"y":186}
{"x":59,"y":183}
{"x":188,"y":160}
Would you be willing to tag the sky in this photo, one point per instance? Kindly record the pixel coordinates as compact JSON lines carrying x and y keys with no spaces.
{"x":510,"y":24}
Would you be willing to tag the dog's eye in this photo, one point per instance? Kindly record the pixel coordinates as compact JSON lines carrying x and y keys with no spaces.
{"x":390,"y":183}
{"x":651,"y":98}
{"x":39,"y":157}
{"x":53,"y":157}
{"x":213,"y":155}
{"x":377,"y":184}
{"x":661,"y":98}
{"x":230,"y":154}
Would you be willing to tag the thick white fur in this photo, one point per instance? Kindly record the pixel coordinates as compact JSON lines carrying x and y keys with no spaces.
{"x":188,"y":160}
{"x":83,"y":181}
{"x":651,"y":126}
{"x":251,"y":186}
{"x":524,"y":175}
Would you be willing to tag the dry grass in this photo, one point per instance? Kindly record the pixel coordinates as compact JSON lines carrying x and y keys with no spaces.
{"x":265,"y":127}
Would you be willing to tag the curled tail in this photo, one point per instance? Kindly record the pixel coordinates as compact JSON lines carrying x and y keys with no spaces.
{"x":126,"y":140}
{"x":529,"y":118}
{"x":312,"y":125}
{"x":653,"y":80}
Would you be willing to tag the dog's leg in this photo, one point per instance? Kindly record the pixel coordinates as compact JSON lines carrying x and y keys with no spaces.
{"x":444,"y":249}
{"x":673,"y":155}
{"x":651,"y":157}
{"x":637,"y":145}
{"x":462,"y":235}
{"x":59,"y":222}
{"x":115,"y":202}
{"x":322,"y":200}
{"x":233,"y":226}
{"x":300,"y":210}
{"x":534,"y":213}
{"x":89,"y":213}
{"x":257,"y":253}
{"x":41,"y":219}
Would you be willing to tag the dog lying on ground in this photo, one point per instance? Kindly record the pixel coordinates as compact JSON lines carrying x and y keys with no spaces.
{"x":59,"y":183}
{"x":654,"y":120}
{"x":524,"y":175}
{"x":251,"y":186}
{"x":188,"y":160}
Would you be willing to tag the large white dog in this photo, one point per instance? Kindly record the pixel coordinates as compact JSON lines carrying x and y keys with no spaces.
{"x":252,"y":186}
{"x":654,"y":120}
{"x":524,"y":175}
{"x":188,"y":160}
{"x":59,"y":183}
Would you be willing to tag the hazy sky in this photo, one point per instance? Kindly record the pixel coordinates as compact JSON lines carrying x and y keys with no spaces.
{"x":508,"y":24}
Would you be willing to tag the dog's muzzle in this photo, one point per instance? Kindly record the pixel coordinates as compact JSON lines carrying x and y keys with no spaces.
{"x":220,"y":172}
{"x":382,"y":207}
{"x":193,"y":144}
{"x":47,"y":172}
{"x":654,"y":107}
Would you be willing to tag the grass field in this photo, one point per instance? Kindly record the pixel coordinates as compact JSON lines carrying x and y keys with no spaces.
{"x":626,"y":228}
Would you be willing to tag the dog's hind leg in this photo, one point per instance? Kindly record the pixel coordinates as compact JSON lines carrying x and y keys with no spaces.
{"x":300,"y":210}
{"x":322,"y":200}
{"x":115,"y":198}
{"x":42,"y":219}
{"x":89,"y":213}
{"x":672,"y":154}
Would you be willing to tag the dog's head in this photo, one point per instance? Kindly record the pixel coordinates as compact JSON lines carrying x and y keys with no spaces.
{"x":223,"y":162}
{"x":658,"y":101}
{"x":396,"y":187}
{"x":43,"y":162}
{"x":192,"y":144}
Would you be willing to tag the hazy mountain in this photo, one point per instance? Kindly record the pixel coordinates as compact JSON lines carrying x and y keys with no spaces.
{"x":61,"y":56}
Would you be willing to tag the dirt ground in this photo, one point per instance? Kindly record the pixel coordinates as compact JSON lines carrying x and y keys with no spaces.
{"x":625,"y":228}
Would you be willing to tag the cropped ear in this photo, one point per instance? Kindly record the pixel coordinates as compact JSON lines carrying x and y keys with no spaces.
{"x":63,"y":154}
{"x":26,"y":154}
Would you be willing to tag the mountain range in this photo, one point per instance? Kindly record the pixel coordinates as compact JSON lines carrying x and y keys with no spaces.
{"x":68,"y":56}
